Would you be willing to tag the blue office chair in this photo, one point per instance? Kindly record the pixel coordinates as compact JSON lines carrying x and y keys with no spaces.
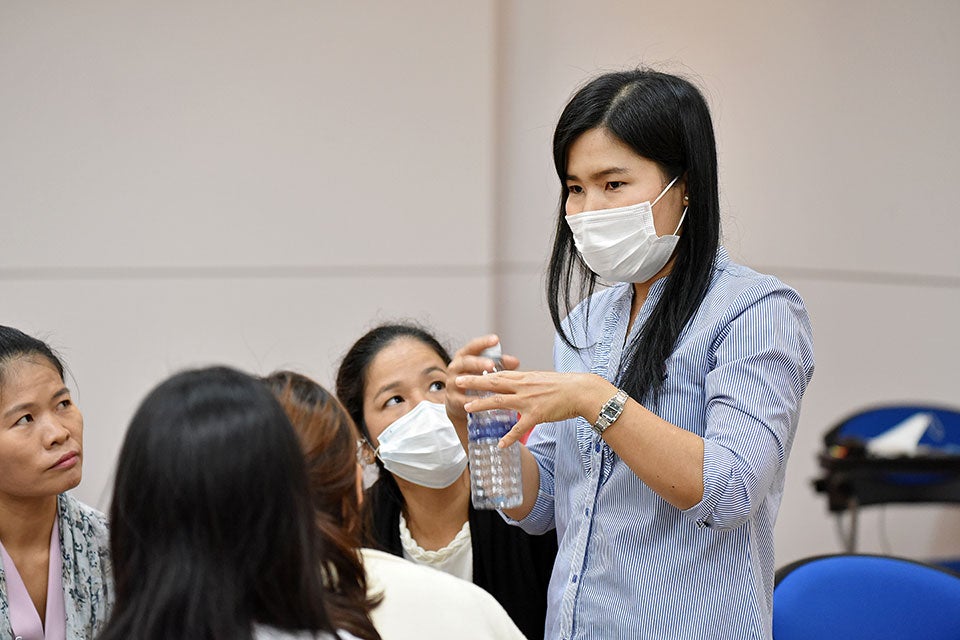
{"x":854,"y":477}
{"x":871,"y":597}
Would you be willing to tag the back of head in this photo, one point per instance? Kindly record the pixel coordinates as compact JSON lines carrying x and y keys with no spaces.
{"x":211,"y":522}
{"x":328,"y":438}
{"x":16,"y":344}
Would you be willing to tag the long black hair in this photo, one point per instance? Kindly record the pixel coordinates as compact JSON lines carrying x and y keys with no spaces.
{"x":665,"y":119}
{"x":212,"y":526}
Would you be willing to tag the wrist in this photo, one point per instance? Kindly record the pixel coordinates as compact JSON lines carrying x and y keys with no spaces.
{"x":610,"y":412}
{"x":597,"y":393}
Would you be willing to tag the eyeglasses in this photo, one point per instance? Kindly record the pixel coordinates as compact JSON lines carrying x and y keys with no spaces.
{"x":365,"y":453}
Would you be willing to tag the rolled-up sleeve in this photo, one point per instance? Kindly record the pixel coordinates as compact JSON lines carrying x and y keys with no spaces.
{"x":763,"y":363}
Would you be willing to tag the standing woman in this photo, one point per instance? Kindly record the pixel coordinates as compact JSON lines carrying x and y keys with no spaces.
{"x":393,"y":381}
{"x":54,"y":551}
{"x":213,"y":532}
{"x":677,"y":388}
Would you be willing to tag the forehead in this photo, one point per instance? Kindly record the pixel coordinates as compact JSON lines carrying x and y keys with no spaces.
{"x":599,"y":150}
{"x":27,"y":375}
{"x":403,"y":359}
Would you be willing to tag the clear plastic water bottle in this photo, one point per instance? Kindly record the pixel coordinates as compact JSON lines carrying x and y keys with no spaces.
{"x":495,"y":481}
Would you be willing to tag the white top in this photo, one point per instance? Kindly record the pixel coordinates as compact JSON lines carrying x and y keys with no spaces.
{"x":262,"y":632}
{"x":456,"y":558}
{"x":420,"y":603}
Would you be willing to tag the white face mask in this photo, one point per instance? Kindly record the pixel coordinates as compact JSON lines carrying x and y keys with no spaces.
{"x":423,"y":447}
{"x":622,"y":245}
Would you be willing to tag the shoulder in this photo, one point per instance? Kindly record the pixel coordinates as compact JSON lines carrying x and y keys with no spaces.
{"x":735,"y":288}
{"x":420,"y":597}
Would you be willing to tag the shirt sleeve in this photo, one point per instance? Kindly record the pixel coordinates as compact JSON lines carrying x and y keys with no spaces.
{"x":763,"y":363}
{"x":542,"y":444}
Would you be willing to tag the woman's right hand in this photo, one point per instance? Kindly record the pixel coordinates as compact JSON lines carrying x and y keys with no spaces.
{"x":467,"y":361}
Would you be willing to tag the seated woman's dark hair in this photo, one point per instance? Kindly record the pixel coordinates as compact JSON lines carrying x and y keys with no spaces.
{"x":212,"y":527}
{"x":329,"y":439}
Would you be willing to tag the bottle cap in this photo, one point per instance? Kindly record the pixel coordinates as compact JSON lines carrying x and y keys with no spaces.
{"x":494,"y":353}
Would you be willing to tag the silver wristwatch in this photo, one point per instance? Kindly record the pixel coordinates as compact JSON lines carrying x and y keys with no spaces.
{"x":610,"y":411}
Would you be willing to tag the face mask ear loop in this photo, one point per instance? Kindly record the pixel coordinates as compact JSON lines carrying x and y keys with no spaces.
{"x":679,"y":224}
{"x":667,"y":188}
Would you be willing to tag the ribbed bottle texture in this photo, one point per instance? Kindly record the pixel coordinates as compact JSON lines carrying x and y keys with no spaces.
{"x":495,"y":481}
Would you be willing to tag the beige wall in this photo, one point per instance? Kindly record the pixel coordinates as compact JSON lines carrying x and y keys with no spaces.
{"x":257,"y":182}
{"x":838,"y":151}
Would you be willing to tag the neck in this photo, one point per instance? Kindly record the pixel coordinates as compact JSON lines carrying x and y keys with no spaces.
{"x":27,"y":522}
{"x":435,"y":516}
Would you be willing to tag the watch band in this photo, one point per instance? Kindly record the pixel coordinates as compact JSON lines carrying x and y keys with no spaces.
{"x":610,"y":411}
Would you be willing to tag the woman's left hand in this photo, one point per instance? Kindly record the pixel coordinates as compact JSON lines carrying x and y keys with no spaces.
{"x":538,"y":396}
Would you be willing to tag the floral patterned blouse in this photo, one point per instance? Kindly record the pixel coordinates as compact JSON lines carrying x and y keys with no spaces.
{"x":87,"y":571}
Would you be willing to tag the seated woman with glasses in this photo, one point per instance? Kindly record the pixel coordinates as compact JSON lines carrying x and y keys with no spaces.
{"x":392,"y":381}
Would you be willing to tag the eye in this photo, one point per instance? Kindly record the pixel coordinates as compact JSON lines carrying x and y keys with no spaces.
{"x":27,"y":419}
{"x":438,"y":385}
{"x":63,"y":404}
{"x":393,"y":401}
{"x":614,"y":185}
{"x":574,"y":189}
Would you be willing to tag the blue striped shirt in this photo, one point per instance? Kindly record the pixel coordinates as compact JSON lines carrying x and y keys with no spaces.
{"x":630,"y":565}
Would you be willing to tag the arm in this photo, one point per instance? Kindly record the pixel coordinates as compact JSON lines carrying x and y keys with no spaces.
{"x":763,"y":357}
{"x":667,"y":458}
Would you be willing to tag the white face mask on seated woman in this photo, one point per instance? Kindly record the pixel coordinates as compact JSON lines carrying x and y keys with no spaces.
{"x":423,"y":447}
{"x":622,"y":245}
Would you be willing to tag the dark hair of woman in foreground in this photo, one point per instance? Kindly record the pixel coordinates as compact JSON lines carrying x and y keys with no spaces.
{"x":329,"y":441}
{"x":212,"y":526}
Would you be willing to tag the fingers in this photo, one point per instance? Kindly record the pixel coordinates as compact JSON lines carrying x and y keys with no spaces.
{"x":523,"y":426}
{"x":500,"y":382}
{"x":475,"y":346}
{"x":467,"y":359}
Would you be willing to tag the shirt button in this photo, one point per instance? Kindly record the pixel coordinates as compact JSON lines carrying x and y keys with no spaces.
{"x":574,"y":579}
{"x":586,"y":512}
{"x":597,"y":448}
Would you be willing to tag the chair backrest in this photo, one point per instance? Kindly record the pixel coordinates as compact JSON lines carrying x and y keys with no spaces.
{"x":853,"y":596}
{"x":943,"y":433}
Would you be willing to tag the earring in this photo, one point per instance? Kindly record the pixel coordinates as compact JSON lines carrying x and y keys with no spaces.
{"x":686,"y":199}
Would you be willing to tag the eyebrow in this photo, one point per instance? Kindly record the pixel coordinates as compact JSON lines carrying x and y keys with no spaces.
{"x":393,"y":385}
{"x":17,"y":408}
{"x":612,"y":171}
